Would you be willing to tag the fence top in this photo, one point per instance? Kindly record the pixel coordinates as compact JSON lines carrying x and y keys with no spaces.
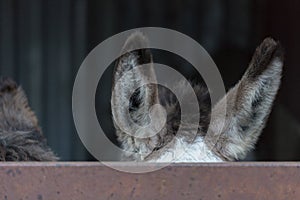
{"x":93,"y":180}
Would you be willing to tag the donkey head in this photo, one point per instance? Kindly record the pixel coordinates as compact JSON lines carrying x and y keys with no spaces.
{"x":248,"y":105}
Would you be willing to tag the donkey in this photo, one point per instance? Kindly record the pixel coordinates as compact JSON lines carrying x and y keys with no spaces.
{"x":248,"y":106}
{"x":21,"y":138}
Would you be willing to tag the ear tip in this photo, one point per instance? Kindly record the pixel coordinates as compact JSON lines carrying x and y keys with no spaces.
{"x":136,"y":40}
{"x":138,"y":35}
{"x":269,"y":41}
{"x":279,"y":52}
{"x":7,"y":84}
{"x":274,"y":46}
{"x":268,"y":50}
{"x":268,"y":45}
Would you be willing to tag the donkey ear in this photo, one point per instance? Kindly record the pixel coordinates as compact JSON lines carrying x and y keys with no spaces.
{"x":131,"y":93}
{"x":15,"y":112}
{"x":248,"y":104}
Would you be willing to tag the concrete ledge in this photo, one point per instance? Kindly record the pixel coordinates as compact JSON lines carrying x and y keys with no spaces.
{"x":92,"y":180}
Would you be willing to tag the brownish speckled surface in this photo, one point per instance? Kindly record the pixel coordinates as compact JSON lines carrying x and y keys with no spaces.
{"x":91,"y":180}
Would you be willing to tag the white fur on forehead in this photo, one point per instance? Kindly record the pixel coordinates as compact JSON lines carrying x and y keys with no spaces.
{"x":183,"y":151}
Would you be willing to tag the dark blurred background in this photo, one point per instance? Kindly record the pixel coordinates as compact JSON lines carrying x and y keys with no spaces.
{"x":43,"y":43}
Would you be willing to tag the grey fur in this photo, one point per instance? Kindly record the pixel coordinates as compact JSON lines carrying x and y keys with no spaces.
{"x":21,"y":138}
{"x":249,"y":103}
{"x":248,"y":106}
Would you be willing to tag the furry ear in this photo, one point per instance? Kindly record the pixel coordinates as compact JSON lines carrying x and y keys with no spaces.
{"x":132,"y":98}
{"x":15,"y":112}
{"x":248,"y":104}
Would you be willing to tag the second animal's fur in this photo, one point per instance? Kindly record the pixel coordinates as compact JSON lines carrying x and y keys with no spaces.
{"x":21,"y":138}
